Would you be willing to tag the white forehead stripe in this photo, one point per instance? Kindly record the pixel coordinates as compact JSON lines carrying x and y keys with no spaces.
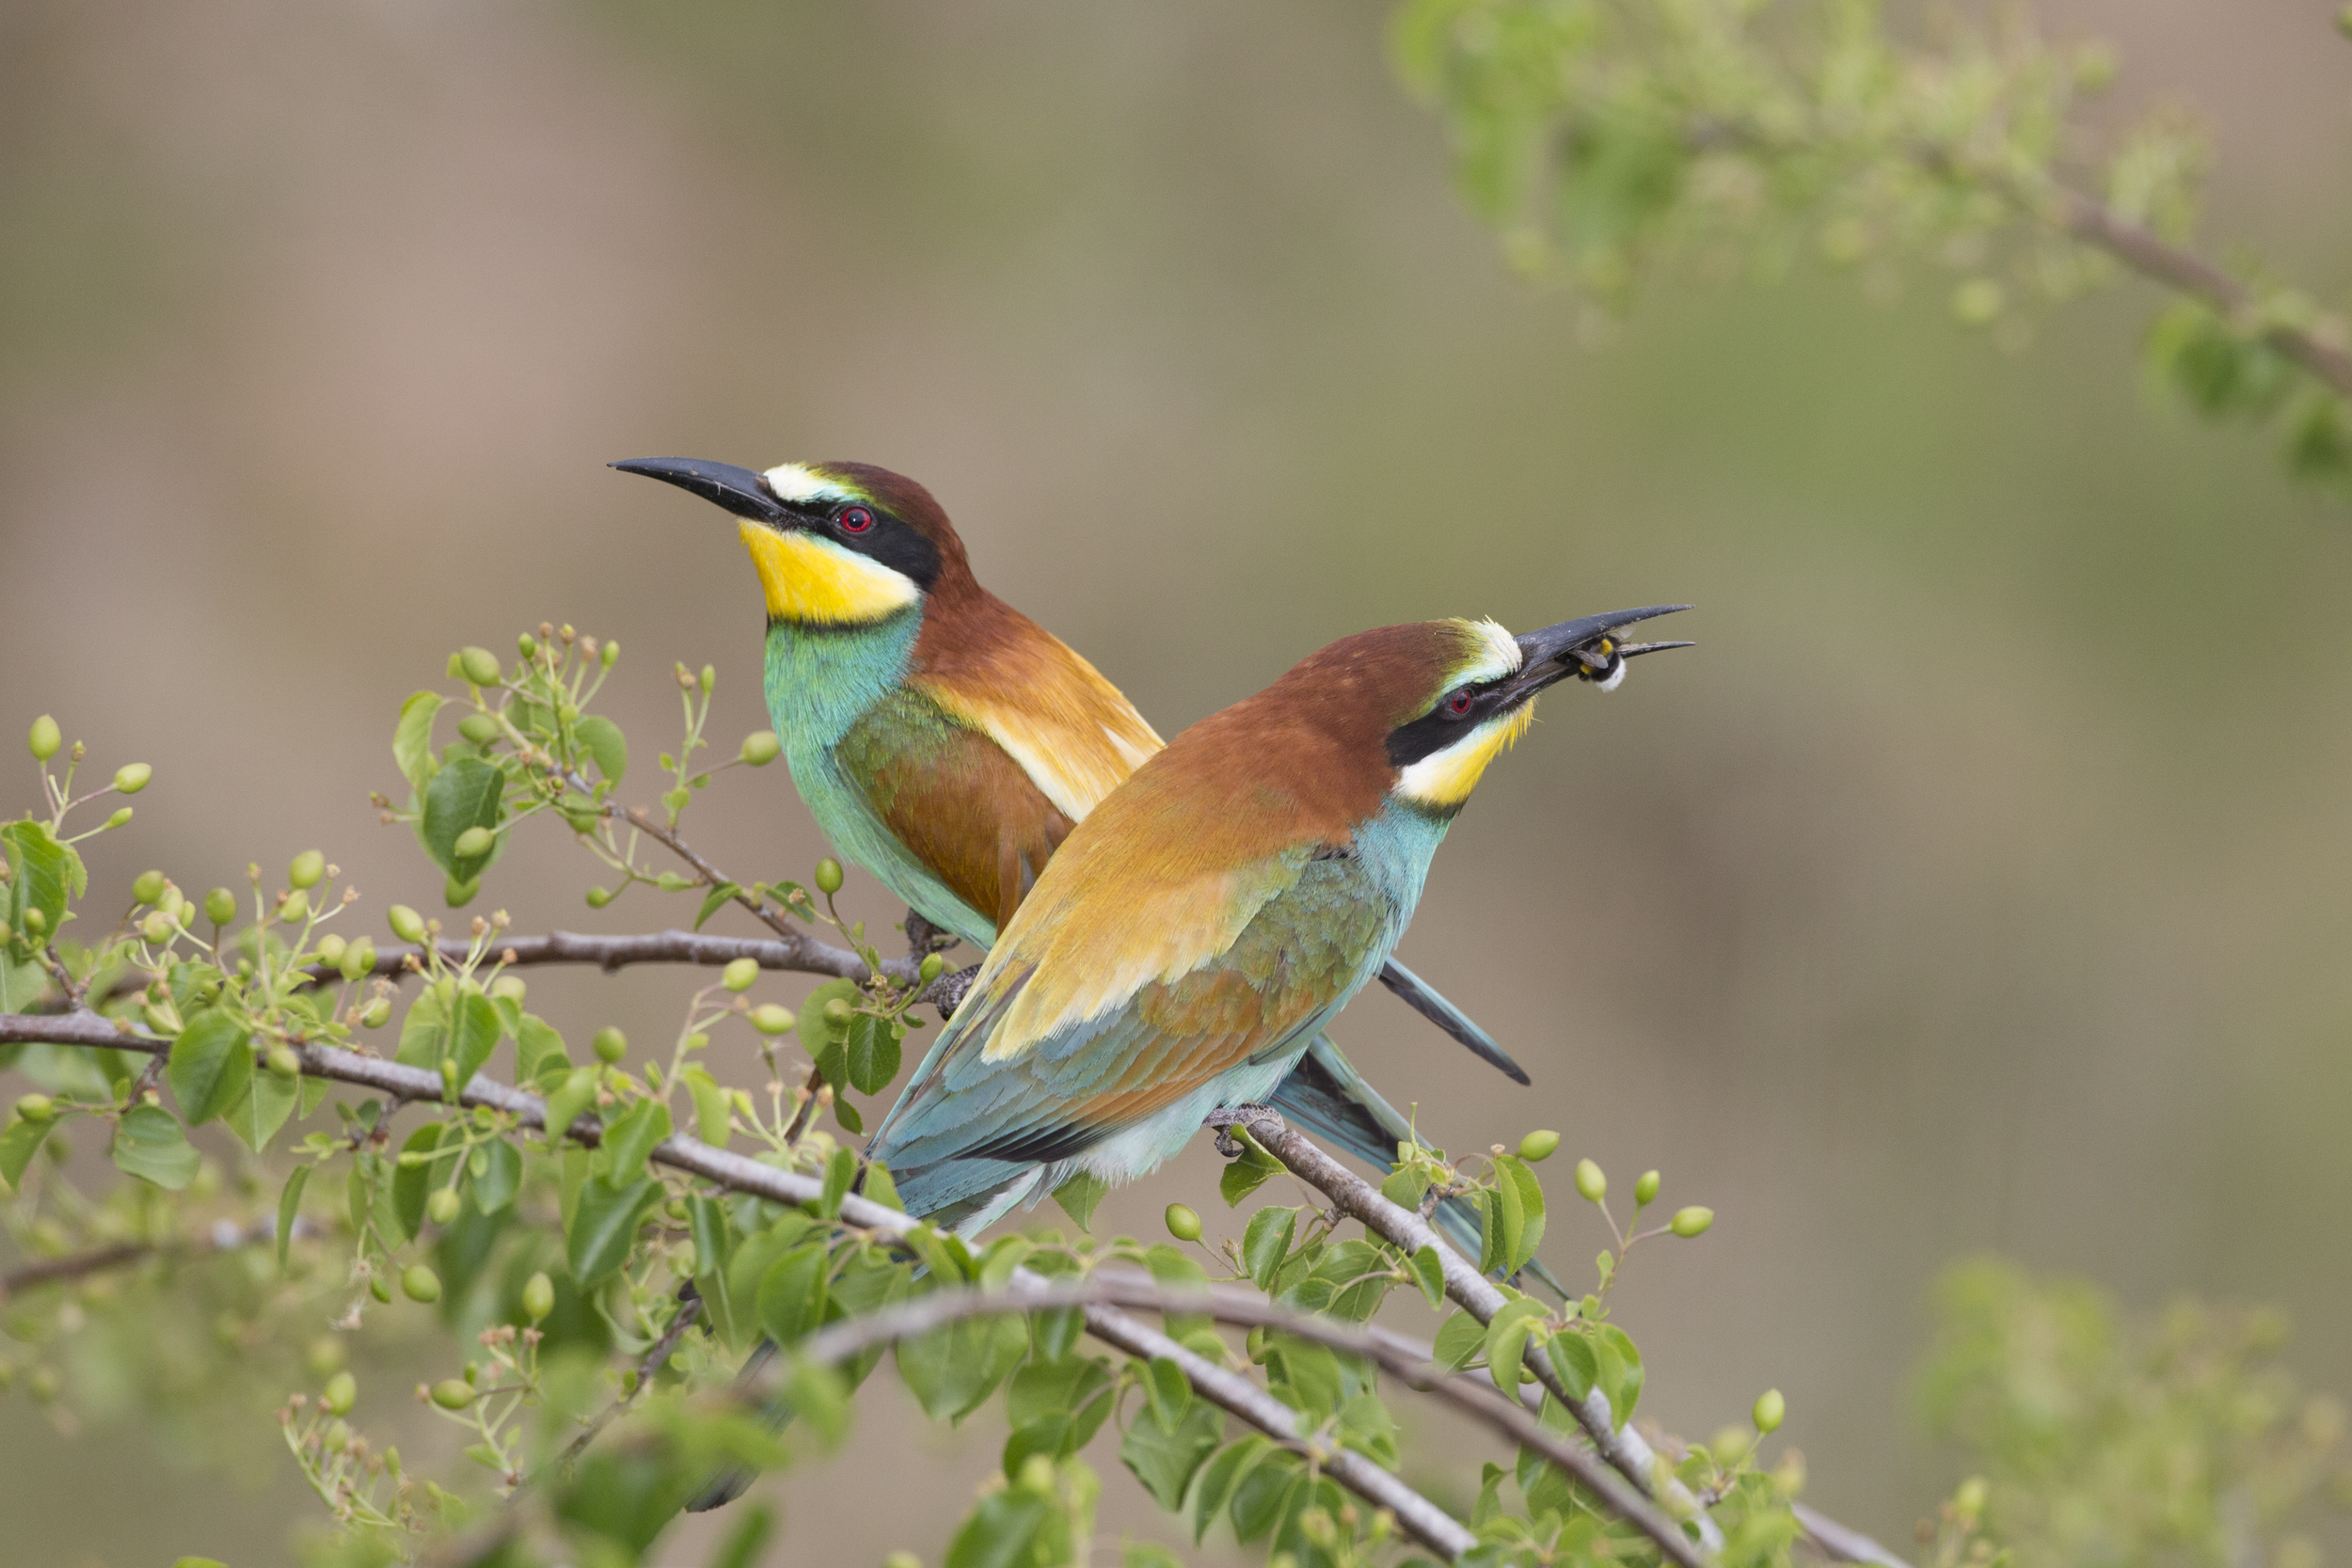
{"x":1502,"y":653}
{"x":794,"y":482}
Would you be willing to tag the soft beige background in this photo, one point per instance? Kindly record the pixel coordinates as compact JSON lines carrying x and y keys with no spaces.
{"x":1981,"y":882}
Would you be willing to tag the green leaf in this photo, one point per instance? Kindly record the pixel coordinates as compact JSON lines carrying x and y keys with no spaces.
{"x":536,"y":1047}
{"x":713,"y":902}
{"x":1621,"y":1375}
{"x":44,"y":874}
{"x":1263,"y":1494}
{"x":413,"y":1184}
{"x":1461,"y":1340}
{"x":1218,"y":1479}
{"x":1170,"y":1392}
{"x":289,"y":1209}
{"x":847,"y":1114}
{"x":1267,"y":1242}
{"x":747,"y":1541}
{"x":603,"y":1227}
{"x":1248,"y":1173}
{"x":629,"y":1139}
{"x":1429,"y":1274}
{"x":1079,"y":1194}
{"x":713,"y":1113}
{"x":603,"y":741}
{"x":873,"y":1054}
{"x":1572,"y":1357}
{"x":211,"y":1063}
{"x":501,"y":1176}
{"x":840,"y":1173}
{"x":1045,"y":1388}
{"x":412,"y":738}
{"x":953,"y":1369}
{"x":18,"y":1145}
{"x":1530,"y":1193}
{"x":1366,"y":1426}
{"x":474,"y":1035}
{"x":466,"y":794}
{"x":1165,"y":1459}
{"x":1504,"y":1227}
{"x":1000,"y":1532}
{"x":150,"y":1145}
{"x":424,"y":1032}
{"x":792,"y":1296}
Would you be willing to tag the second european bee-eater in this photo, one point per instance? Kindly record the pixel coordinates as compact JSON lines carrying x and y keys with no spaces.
{"x":949,"y":744}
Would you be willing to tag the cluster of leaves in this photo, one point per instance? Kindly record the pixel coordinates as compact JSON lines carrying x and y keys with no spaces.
{"x":1607,"y":139}
{"x":2101,"y":1440}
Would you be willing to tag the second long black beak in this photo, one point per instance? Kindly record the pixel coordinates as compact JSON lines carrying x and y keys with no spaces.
{"x":1588,"y":647}
{"x":740,"y":490}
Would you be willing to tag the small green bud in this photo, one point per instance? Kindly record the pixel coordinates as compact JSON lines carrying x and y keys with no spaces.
{"x":220,"y":906}
{"x":117,"y":818}
{"x":45,"y":738}
{"x":527,"y":645}
{"x":406,"y":924}
{"x":740,"y":975}
{"x":828,"y":876}
{"x":473,"y":842}
{"x":331,"y":948}
{"x":1646,"y":1188}
{"x":36,"y":920}
{"x":610,"y":1045}
{"x":376,"y":1014}
{"x":608,"y":654}
{"x":761,"y":747}
{"x":1538,"y":1144}
{"x":452,"y":1393}
{"x":148,"y":888}
{"x":479,"y":665}
{"x":769,"y":1018}
{"x":458,"y":892}
{"x":1693,"y":1221}
{"x":710,"y":679}
{"x":1771,"y":1410}
{"x":1591,"y":1184}
{"x":538,"y":1297}
{"x":283,"y":1062}
{"x":479,"y":728}
{"x":157,"y":927}
{"x":1183,"y":1222}
{"x":132,"y":777}
{"x":510,"y":987}
{"x":932,"y":967}
{"x":380,"y":1288}
{"x":837,"y":1011}
{"x":357,"y":960}
{"x":598,"y":898}
{"x":342,"y":1392}
{"x":36,"y":1108}
{"x":567,"y":711}
{"x":307,"y":869}
{"x":296,"y":908}
{"x":419,"y":1283}
{"x":441,"y":1207}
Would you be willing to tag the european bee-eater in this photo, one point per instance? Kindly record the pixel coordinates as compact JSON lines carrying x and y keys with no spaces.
{"x":1207,"y":919}
{"x":948,"y":744}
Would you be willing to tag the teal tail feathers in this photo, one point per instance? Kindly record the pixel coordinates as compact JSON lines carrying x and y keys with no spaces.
{"x":1415,"y":993}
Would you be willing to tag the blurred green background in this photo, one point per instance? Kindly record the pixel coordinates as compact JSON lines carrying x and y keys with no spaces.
{"x":1982,"y":881}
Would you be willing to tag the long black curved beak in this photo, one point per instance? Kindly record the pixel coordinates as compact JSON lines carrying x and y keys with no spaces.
{"x":1587,"y":647}
{"x":740,"y":490}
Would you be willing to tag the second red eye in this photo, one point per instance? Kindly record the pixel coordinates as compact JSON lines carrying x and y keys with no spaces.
{"x":855,"y":520}
{"x":1458,"y":703}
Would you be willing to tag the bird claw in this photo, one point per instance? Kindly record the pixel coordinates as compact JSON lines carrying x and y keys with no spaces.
{"x":924,"y":938}
{"x":946,"y":993}
{"x":1226,"y":1116}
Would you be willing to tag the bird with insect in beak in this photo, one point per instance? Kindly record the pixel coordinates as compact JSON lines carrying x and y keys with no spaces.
{"x":948,"y":744}
{"x":1205,"y":922}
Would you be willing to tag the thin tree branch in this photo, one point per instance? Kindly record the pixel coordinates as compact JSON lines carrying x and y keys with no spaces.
{"x":802,"y":953}
{"x":224,"y":1235}
{"x":688,"y":1312}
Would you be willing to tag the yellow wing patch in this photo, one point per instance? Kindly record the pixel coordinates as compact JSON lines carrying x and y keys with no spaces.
{"x":1075,"y":734}
{"x":1445,"y":779}
{"x":814,"y":581}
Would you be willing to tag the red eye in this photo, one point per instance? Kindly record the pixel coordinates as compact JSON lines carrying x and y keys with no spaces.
{"x":1459,"y":702}
{"x":855,"y":520}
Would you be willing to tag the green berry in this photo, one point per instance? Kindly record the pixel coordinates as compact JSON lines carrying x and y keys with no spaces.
{"x":342,"y":1392}
{"x":331,"y":949}
{"x":527,"y":645}
{"x":307,"y":869}
{"x":283,"y":1062}
{"x":36,"y":1108}
{"x":132,"y":777}
{"x":740,"y":975}
{"x":36,"y":920}
{"x":769,"y":1018}
{"x":157,"y":927}
{"x":117,"y":817}
{"x":479,"y":728}
{"x":479,"y":665}
{"x":442,"y":1206}
{"x":1693,"y":1221}
{"x":419,"y":1283}
{"x":710,"y":679}
{"x":510,"y":988}
{"x":608,"y":654}
{"x":933,"y":966}
{"x":837,"y":1011}
{"x":760,"y":748}
{"x":295,"y":908}
{"x":598,"y":898}
{"x":406,"y":924}
{"x":610,"y":1045}
{"x":538,"y":1297}
{"x":1646,"y":1188}
{"x":1183,"y":1222}
{"x":1771,"y":1410}
{"x":1591,"y":1184}
{"x":380,"y":1288}
{"x":828,"y":876}
{"x":148,"y":888}
{"x":220,"y":906}
{"x":474,"y":842}
{"x":376,"y":1014}
{"x":357,"y":960}
{"x":452,"y":1393}
{"x":45,"y":738}
{"x":1538,"y":1144}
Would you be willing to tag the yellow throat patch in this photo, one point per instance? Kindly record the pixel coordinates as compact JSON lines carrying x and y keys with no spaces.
{"x":814,"y":581}
{"x":1444,"y":780}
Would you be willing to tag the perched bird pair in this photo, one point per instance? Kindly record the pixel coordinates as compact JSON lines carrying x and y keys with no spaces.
{"x":1168,"y":930}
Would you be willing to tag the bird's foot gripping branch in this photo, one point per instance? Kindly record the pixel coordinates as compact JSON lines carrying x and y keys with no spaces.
{"x":597,"y":1238}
